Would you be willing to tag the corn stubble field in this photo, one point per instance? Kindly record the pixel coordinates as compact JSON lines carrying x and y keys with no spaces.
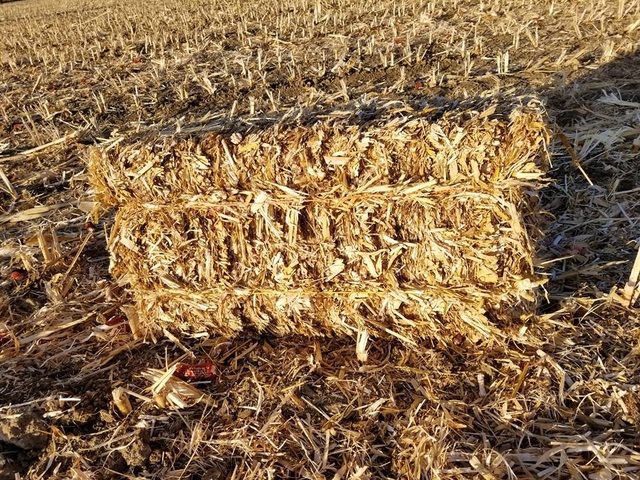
{"x":553,"y":395}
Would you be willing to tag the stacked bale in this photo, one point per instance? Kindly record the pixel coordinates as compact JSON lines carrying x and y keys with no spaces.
{"x":408,"y":226}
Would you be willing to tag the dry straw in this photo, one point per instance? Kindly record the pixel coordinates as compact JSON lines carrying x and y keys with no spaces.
{"x":411,"y":224}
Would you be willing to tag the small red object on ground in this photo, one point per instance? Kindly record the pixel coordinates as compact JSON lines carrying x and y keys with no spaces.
{"x":119,"y":321}
{"x":19,"y":275}
{"x":89,"y":227}
{"x":202,"y":371}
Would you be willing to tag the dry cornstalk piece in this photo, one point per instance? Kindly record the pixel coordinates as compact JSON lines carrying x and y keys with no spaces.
{"x":410,"y":228}
{"x":630,"y":289}
{"x":121,"y":400}
{"x":168,"y":390}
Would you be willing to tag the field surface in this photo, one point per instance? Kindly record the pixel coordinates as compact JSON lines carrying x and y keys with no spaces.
{"x":558,"y":398}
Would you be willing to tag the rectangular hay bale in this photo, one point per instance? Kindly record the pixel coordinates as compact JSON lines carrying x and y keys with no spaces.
{"x":407,"y":227}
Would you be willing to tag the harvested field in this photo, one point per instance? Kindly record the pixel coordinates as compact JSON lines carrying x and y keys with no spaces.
{"x":86,"y":394}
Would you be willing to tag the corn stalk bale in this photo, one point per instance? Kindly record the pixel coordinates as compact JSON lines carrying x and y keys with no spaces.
{"x":332,"y":229}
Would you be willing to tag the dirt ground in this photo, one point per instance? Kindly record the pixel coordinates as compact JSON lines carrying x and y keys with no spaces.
{"x":559,"y":399}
